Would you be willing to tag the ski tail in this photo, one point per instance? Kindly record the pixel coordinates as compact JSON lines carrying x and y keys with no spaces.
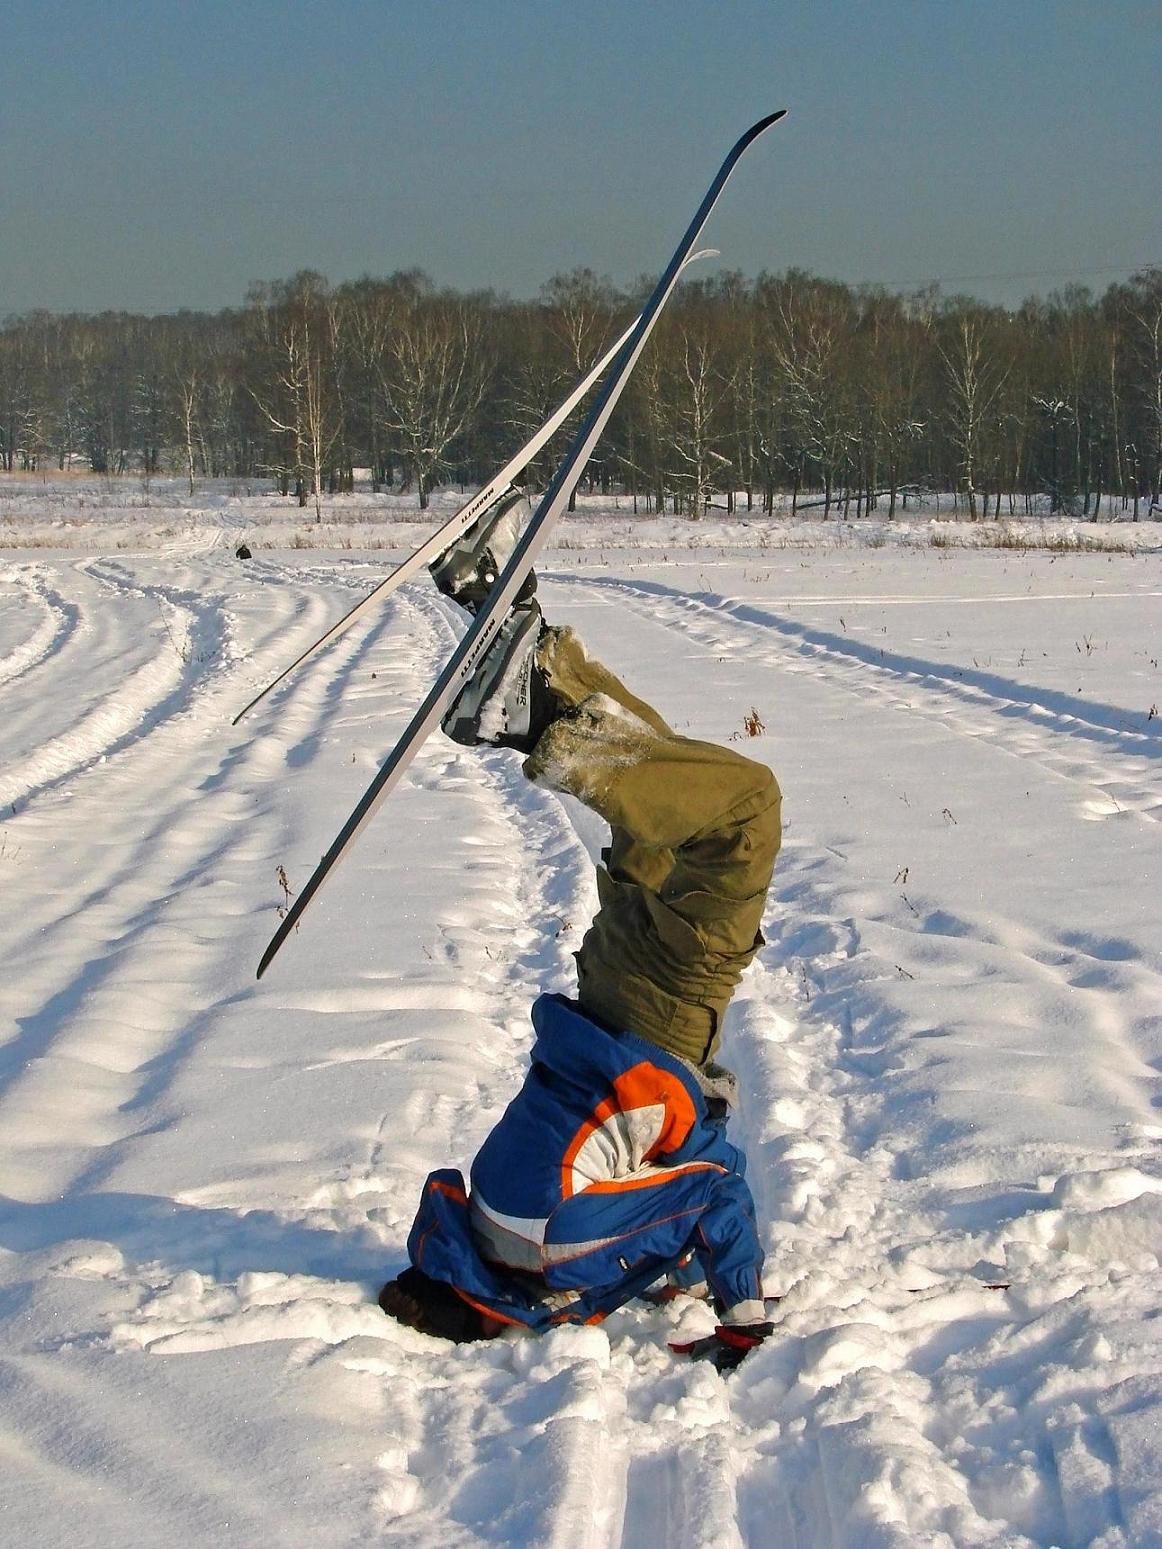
{"x":480,"y":634}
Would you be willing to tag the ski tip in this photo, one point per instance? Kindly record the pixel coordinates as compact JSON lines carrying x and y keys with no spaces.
{"x":755,"y":130}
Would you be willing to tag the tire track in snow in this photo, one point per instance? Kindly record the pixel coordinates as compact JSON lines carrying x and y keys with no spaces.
{"x":1053,"y":731}
{"x":99,"y":1014}
{"x":925,"y":1396}
{"x":289,"y":607}
{"x":86,"y":1084}
{"x":189,"y":644}
{"x":194,"y":645}
{"x":838,"y":1257}
{"x":59,"y":618}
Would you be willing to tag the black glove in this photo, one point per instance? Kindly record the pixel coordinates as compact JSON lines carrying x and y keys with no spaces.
{"x":727,"y":1346}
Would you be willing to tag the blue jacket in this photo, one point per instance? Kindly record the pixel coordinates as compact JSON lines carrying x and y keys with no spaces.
{"x":604,"y":1169}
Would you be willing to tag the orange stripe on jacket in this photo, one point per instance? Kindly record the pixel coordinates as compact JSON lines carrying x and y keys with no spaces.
{"x":656,"y":1176}
{"x":644,"y":1085}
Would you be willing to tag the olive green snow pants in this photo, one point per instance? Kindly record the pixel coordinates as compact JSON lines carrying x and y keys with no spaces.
{"x":695,"y":831}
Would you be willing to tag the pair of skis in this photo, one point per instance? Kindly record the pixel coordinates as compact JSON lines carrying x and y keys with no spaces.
{"x":434,"y":548}
{"x":475,"y":643}
{"x":441,"y":541}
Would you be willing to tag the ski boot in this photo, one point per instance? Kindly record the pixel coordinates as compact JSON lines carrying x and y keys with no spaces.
{"x":507,"y":701}
{"x":469,"y":569}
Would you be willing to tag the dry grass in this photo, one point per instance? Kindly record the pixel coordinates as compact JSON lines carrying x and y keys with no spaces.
{"x":1027,"y":540}
{"x":752,"y":726}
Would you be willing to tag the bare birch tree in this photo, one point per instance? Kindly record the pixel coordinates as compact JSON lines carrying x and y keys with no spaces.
{"x":434,"y":378}
{"x":974,"y":382}
{"x":297,"y":400}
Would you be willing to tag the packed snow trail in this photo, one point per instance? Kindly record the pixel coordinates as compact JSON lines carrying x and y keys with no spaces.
{"x":949,"y":1051}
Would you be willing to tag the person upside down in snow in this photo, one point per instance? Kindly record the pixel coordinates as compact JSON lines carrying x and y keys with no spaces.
{"x":610,"y":1169}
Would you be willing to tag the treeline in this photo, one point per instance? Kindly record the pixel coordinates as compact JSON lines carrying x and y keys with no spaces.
{"x":748,"y":390}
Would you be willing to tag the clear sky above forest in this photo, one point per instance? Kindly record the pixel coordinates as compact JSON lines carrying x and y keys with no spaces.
{"x":165,"y":153}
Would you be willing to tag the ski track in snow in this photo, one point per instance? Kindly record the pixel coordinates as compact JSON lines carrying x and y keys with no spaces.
{"x":203,"y":1182}
{"x":1051,"y":729}
{"x":105,"y":1012}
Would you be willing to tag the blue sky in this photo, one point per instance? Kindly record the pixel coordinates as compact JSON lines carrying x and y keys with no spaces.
{"x":165,"y":153}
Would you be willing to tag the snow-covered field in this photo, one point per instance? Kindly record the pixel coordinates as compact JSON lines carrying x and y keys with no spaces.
{"x":950,"y":1047}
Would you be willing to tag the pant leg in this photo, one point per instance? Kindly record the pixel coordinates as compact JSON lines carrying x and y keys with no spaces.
{"x":574,"y":675}
{"x":696,"y":829}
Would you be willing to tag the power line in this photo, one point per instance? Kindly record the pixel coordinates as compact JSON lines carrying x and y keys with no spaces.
{"x":1024,"y":274}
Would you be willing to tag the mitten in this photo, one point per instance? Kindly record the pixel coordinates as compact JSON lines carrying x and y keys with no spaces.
{"x":727,"y":1346}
